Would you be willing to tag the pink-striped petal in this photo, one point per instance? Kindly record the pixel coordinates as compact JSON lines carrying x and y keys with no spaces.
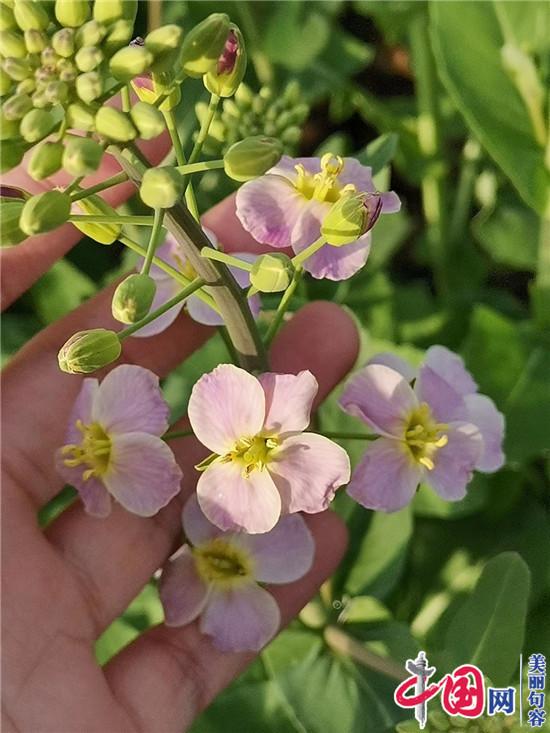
{"x":482,"y":412}
{"x":381,"y":397}
{"x":289,"y":398}
{"x":143,"y":474}
{"x":450,"y":367}
{"x":183,"y":593}
{"x":94,"y":495}
{"x":396,"y":363}
{"x":167,"y":288}
{"x":81,"y":410}
{"x":129,"y":400}
{"x":196,"y":526}
{"x":234,"y":502}
{"x":339,"y":263}
{"x":307,"y":472}
{"x":456,"y":461}
{"x":241,"y":620}
{"x":444,"y":400}
{"x":386,"y":478}
{"x":391,"y":203}
{"x":225,"y":405}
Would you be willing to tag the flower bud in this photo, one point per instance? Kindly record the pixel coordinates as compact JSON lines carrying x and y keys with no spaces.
{"x":57,"y":92}
{"x":204,"y":43}
{"x":35,"y":41}
{"x":133,"y":298}
{"x":118,"y":35}
{"x":130,"y":62}
{"x":88,"y":58}
{"x":81,"y":116}
{"x":351,"y":217}
{"x":39,"y":123}
{"x":87,"y":351}
{"x":72,"y":13}
{"x":45,"y":160}
{"x":12,"y":45}
{"x":44,"y":212}
{"x":6,"y":83}
{"x":109,"y":11}
{"x":102,"y":233}
{"x":30,"y":15}
{"x":165,"y":44}
{"x":82,"y":155}
{"x":63,"y":42}
{"x":148,"y":120}
{"x":17,"y":69}
{"x":115,"y":125}
{"x":10,"y":212}
{"x":27,"y":86}
{"x":252,"y":157}
{"x":11,"y":156}
{"x":90,"y":34}
{"x":7,"y":21}
{"x":228,"y":72}
{"x":272,"y":273}
{"x":48,"y":58}
{"x":9,"y":129}
{"x":17,"y":106}
{"x":89,"y":86}
{"x":161,"y":188}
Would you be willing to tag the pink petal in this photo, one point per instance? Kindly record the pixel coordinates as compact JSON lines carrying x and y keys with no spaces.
{"x":94,"y":495}
{"x":308,"y":470}
{"x":268,"y":208}
{"x":358,"y":174}
{"x":235,"y":503}
{"x":283,"y":555}
{"x":201,"y":312}
{"x":381,"y":397}
{"x":450,"y":367}
{"x":391,"y":203}
{"x":455,"y":462}
{"x":183,"y":593}
{"x":396,"y":363}
{"x":287,"y":167}
{"x":307,"y":228}
{"x":196,"y":526}
{"x":386,"y":478}
{"x":167,"y":288}
{"x":444,"y":401}
{"x":225,"y":405}
{"x":241,"y":620}
{"x":81,"y":410}
{"x":288,"y":398}
{"x":143,"y":474}
{"x":482,"y":411}
{"x":129,"y":400}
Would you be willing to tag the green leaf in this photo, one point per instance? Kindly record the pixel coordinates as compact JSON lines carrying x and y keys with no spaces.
{"x":379,"y":152}
{"x":467,"y":40}
{"x":295,"y":35}
{"x":60,"y":290}
{"x":488,"y":629}
{"x":527,"y":28}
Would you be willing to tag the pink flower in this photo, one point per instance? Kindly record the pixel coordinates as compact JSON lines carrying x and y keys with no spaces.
{"x":263,"y":464}
{"x":285,"y":208}
{"x":216,"y":577}
{"x":113,"y":445}
{"x":436,"y":432}
{"x":172,"y":253}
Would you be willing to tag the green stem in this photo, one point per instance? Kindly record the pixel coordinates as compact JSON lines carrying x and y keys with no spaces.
{"x":464,"y":191}
{"x":205,"y":165}
{"x":85,"y":192}
{"x":222,"y":330}
{"x":73,"y":185}
{"x":305,"y":254}
{"x":154,"y":241}
{"x":145,"y":221}
{"x":205,"y":126}
{"x":181,"y":160}
{"x":347,"y":436}
{"x":282,"y":307}
{"x":125,"y":96}
{"x":185,"y":293}
{"x":541,"y":287}
{"x":215,"y":254}
{"x":174,"y":434}
{"x":346,"y":645}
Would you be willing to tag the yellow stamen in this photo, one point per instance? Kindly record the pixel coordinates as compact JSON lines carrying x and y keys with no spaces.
{"x":322,"y":186}
{"x":423,"y":436}
{"x":223,"y":562}
{"x":94,"y":451}
{"x":252,"y":453}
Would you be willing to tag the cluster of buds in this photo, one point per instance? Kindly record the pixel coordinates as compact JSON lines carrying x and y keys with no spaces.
{"x":439,"y":721}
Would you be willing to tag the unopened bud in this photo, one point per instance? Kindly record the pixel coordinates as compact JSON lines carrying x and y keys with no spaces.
{"x":35,"y":41}
{"x":165,"y":44}
{"x":350,"y":217}
{"x":118,"y":36}
{"x":44,"y":212}
{"x":204,"y":43}
{"x":7,"y":21}
{"x":81,"y":116}
{"x":17,"y":69}
{"x":63,"y":42}
{"x":48,"y":58}
{"x":109,"y":11}
{"x":88,"y":58}
{"x":11,"y":156}
{"x":6,"y":83}
{"x":90,"y":34}
{"x":130,"y":62}
{"x":17,"y":106}
{"x":148,"y":120}
{"x":45,"y":160}
{"x":12,"y":45}
{"x":72,"y":13}
{"x":87,"y":351}
{"x":115,"y":125}
{"x":30,"y":15}
{"x":57,"y":92}
{"x":228,"y":72}
{"x":272,"y":273}
{"x":39,"y":123}
{"x":133,"y":298}
{"x":9,"y":129}
{"x":27,"y":86}
{"x":89,"y":86}
{"x":161,"y":188}
{"x":102,"y":233}
{"x":252,"y":157}
{"x":10,"y":212}
{"x":82,"y":156}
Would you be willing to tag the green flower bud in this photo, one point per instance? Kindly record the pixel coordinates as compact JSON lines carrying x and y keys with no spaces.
{"x":81,"y":116}
{"x":6,"y":83}
{"x":87,"y":351}
{"x":9,"y":129}
{"x":7,"y":21}
{"x":39,"y":123}
{"x":228,"y":71}
{"x":203,"y":44}
{"x":39,"y":100}
{"x":165,"y":44}
{"x":88,"y":58}
{"x":30,"y":15}
{"x":12,"y":45}
{"x":130,"y":62}
{"x":90,"y":34}
{"x":109,"y":11}
{"x":57,"y":92}
{"x":44,"y":212}
{"x":148,"y":120}
{"x":119,"y":35}
{"x":102,"y":233}
{"x":10,"y":212}
{"x":63,"y":42}
{"x":115,"y":125}
{"x":349,"y":218}
{"x":252,"y":157}
{"x":82,"y":155}
{"x":35,"y":41}
{"x":27,"y":86}
{"x":48,"y":57}
{"x":17,"y":69}
{"x":72,"y":13}
{"x":272,"y":273}
{"x":133,"y":298}
{"x":89,"y":86}
{"x":161,"y":187}
{"x":45,"y":160}
{"x":11,"y":156}
{"x":17,"y":106}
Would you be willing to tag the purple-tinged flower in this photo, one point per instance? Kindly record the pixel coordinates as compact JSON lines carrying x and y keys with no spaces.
{"x":286,"y":207}
{"x":263,"y":464}
{"x":216,"y":577}
{"x":112,"y":446}
{"x":436,"y":432}
{"x":172,"y":253}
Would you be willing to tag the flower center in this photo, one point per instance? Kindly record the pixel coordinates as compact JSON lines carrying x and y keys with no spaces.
{"x":252,"y":453}
{"x":218,"y":561}
{"x":424,"y":436}
{"x":93,"y":451}
{"x":322,"y":186}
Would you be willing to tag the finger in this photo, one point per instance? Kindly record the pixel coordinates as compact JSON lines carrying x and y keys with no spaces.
{"x":99,"y":549}
{"x":23,"y":264}
{"x":168,"y":676}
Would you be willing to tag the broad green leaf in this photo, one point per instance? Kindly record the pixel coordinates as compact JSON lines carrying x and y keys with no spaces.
{"x":467,"y":40}
{"x":379,"y":152}
{"x":488,"y":630}
{"x":528,"y":26}
{"x":295,"y":35}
